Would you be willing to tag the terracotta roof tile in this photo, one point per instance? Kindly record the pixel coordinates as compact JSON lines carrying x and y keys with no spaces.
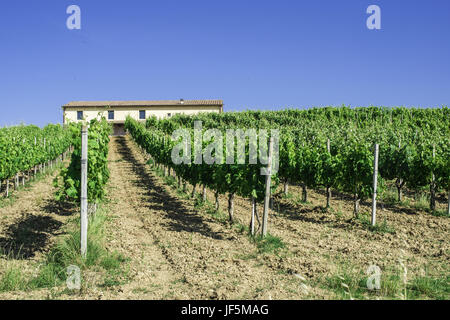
{"x":143,"y":103}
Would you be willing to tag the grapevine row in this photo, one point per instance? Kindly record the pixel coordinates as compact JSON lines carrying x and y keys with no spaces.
{"x":333,"y":147}
{"x":24,"y":148}
{"x":69,"y":180}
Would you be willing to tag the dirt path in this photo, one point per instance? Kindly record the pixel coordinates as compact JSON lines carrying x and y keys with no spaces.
{"x":152,"y":277}
{"x":31,"y":223}
{"x":177,"y":252}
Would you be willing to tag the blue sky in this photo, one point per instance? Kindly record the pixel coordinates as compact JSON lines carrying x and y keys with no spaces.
{"x":253,"y":54}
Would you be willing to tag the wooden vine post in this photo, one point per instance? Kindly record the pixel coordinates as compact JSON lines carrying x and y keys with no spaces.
{"x":230,"y":206}
{"x":50,"y":162}
{"x":44,"y":161}
{"x":328,"y":188}
{"x":433,"y":185}
{"x":84,"y":204}
{"x":286,"y":187}
{"x":23,"y":173}
{"x":164,"y":166}
{"x":252,"y":221}
{"x":203,"y":191}
{"x":34,"y":166}
{"x":267,"y":195}
{"x":448,"y":203}
{"x":375,"y":179}
{"x":16,"y":181}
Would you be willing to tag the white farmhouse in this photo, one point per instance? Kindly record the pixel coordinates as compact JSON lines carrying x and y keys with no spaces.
{"x":117,"y":111}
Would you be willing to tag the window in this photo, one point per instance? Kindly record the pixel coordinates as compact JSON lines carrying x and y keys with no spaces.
{"x":142,"y":114}
{"x":111,"y":115}
{"x":169,"y":115}
{"x":79,"y":115}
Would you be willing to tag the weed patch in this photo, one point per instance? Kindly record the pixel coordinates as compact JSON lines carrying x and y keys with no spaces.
{"x":268,"y":244}
{"x":12,"y":280}
{"x":383,"y":227}
{"x":53,"y":271}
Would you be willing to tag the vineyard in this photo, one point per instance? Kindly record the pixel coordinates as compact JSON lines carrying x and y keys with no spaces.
{"x":177,"y":206}
{"x":329,"y":148}
{"x":24,"y":150}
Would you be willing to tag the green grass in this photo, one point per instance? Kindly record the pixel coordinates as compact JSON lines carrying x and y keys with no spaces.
{"x":183,"y":195}
{"x":219,"y":215}
{"x":67,"y":252}
{"x":297,"y":200}
{"x":354,"y":286}
{"x":116,"y":275}
{"x":241,"y":228}
{"x":382,"y":227}
{"x":440,"y":213}
{"x":422,"y":202}
{"x":5,"y":202}
{"x":159,"y":172}
{"x":431,"y":288}
{"x":113,"y":261}
{"x":12,"y":280}
{"x":390,"y":195}
{"x":199,"y":203}
{"x":170,"y":181}
{"x":347,"y":285}
{"x":351,"y":282}
{"x":268,"y":244}
{"x":209,"y":208}
{"x":52,"y":272}
{"x":338,"y":213}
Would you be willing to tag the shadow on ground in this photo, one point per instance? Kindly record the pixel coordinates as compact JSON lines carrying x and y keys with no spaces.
{"x":29,"y":235}
{"x":158,"y":199}
{"x":61,"y":208}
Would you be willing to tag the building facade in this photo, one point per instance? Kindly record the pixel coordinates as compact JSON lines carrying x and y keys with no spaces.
{"x":116,"y":112}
